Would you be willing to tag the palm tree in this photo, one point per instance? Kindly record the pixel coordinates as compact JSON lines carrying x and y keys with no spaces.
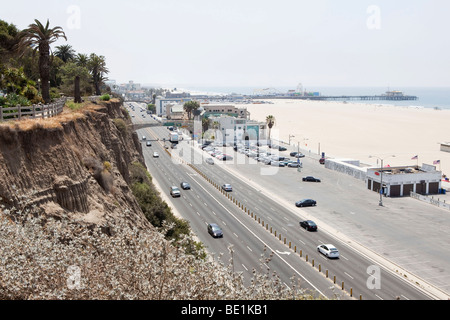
{"x":270,"y":120}
{"x":39,"y":37}
{"x":190,"y":107}
{"x":82,"y":60}
{"x":65,"y":52}
{"x":97,"y":67}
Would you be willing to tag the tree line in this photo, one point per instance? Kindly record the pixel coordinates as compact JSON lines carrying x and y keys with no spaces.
{"x":30,"y":72}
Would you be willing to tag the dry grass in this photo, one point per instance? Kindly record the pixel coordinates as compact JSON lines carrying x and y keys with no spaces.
{"x":56,"y":122}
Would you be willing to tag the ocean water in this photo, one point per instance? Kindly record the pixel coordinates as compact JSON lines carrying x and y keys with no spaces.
{"x":429,"y":97}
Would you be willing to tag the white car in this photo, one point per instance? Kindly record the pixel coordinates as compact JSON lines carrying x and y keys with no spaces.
{"x":175,"y":192}
{"x":155,"y":154}
{"x":328,"y":250}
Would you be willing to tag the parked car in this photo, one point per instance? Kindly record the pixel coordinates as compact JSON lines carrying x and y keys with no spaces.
{"x":155,"y":154}
{"x":144,"y":138}
{"x":227,"y":187}
{"x":149,"y":143}
{"x":322,"y":161}
{"x":281,"y":148}
{"x":308,"y":225}
{"x":294,"y":164}
{"x":328,"y":250}
{"x":185,"y":186}
{"x":299,"y":155}
{"x":306,"y":203}
{"x":311,"y":179}
{"x":293,"y":154}
{"x":215,"y":231}
{"x":209,"y":161}
{"x":175,"y":192}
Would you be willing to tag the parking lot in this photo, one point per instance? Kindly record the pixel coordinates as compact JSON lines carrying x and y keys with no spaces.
{"x":411,"y":234}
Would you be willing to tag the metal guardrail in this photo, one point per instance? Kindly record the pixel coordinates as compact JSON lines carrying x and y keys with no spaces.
{"x":34,"y":111}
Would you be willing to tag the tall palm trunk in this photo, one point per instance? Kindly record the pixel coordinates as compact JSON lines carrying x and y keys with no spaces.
{"x":44,"y":70}
{"x":77,"y":93}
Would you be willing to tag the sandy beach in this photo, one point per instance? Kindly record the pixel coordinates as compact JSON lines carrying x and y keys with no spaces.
{"x":356,"y":131}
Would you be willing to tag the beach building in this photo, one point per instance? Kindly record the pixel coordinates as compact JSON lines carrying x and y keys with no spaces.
{"x":401,"y":181}
{"x":215,"y":110}
{"x":445,"y":146}
{"x":238,"y":130}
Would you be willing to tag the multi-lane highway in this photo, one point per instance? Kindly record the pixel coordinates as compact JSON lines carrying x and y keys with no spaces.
{"x":250,"y":218}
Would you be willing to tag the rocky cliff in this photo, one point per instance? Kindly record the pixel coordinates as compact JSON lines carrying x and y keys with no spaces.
{"x":74,"y":165}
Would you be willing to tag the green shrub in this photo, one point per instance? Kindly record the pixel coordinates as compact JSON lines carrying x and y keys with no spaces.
{"x":105,"y":97}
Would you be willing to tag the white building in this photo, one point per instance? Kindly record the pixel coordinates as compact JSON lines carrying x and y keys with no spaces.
{"x":161,"y":104}
{"x":400,"y":181}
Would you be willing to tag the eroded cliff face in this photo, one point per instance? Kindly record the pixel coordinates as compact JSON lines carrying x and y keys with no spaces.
{"x":73,"y":165}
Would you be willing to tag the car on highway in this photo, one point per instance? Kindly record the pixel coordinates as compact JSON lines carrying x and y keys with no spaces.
{"x":149,"y":143}
{"x":144,"y":138}
{"x":185,"y":186}
{"x":311,"y":179}
{"x":328,"y":250}
{"x":306,"y":203}
{"x":308,"y":225}
{"x":155,"y":154}
{"x":175,"y":192}
{"x":227,"y":187}
{"x":215,"y":231}
{"x":209,"y":161}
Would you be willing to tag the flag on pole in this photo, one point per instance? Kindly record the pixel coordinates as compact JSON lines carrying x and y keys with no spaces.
{"x":415,"y":158}
{"x":437,"y":162}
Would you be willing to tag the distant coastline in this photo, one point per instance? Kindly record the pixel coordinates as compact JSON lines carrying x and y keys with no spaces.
{"x":429,"y":97}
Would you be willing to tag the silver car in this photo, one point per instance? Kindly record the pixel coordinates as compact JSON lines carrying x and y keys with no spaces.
{"x":328,"y":250}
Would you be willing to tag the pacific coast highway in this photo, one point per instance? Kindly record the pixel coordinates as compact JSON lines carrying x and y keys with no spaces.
{"x":252,"y":242}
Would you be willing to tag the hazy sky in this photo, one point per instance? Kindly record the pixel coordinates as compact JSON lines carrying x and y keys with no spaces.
{"x":255,"y":43}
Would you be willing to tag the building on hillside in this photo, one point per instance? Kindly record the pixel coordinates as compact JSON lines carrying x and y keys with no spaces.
{"x":401,"y":181}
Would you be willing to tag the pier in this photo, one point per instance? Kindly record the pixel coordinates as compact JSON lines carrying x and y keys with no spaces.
{"x":343,"y":98}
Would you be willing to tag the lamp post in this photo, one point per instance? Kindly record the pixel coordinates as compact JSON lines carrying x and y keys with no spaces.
{"x":290,"y":136}
{"x":381,"y":177}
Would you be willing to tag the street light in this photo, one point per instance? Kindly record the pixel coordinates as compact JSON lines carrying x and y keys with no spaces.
{"x":290,"y":139}
{"x":381,"y":176}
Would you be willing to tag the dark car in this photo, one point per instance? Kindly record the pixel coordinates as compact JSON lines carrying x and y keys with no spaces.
{"x":308,"y":225}
{"x":311,"y":179}
{"x":322,"y":161}
{"x":281,"y":148}
{"x":306,"y":203}
{"x":185,"y":186}
{"x":215,"y":231}
{"x":293,"y":154}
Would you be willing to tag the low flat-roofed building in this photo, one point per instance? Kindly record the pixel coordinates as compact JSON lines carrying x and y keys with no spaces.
{"x":225,"y":109}
{"x":175,"y":111}
{"x":236,"y":130}
{"x":445,"y":146}
{"x":401,"y":181}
